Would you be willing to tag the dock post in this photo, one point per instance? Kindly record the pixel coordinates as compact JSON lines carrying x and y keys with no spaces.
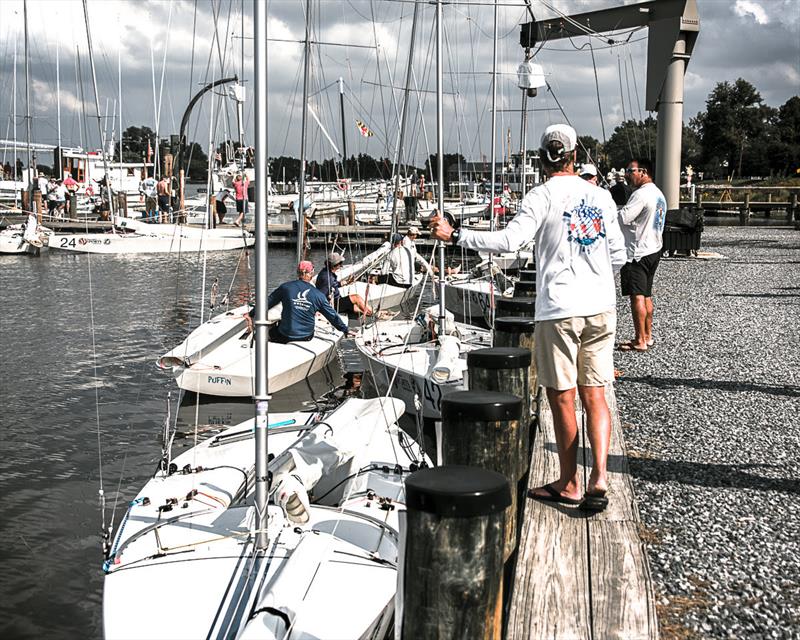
{"x":744,"y":211}
{"x":26,"y":201}
{"x":517,"y":307}
{"x":73,"y":206}
{"x":351,"y":213}
{"x":506,"y":369}
{"x":212,"y":211}
{"x":37,"y":205}
{"x":519,"y":332}
{"x":482,"y":429}
{"x":451,"y":571}
{"x":524,"y":289}
{"x":791,"y":214}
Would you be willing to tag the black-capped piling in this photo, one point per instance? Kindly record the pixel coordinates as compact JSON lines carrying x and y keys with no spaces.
{"x":523,"y":289}
{"x":519,"y":307}
{"x":527,"y":275}
{"x":482,"y":429}
{"x":452,"y":566}
{"x":506,"y":369}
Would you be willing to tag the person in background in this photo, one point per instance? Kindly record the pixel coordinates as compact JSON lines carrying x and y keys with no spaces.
{"x":328,"y":282}
{"x":409,"y":242}
{"x":61,"y":198}
{"x":162,"y":191}
{"x":52,"y":196}
{"x":398,"y":268}
{"x":642,"y":222}
{"x":219,"y":204}
{"x":578,"y":245}
{"x":41,"y":184}
{"x":300,"y":302}
{"x":620,"y":191}
{"x":240,"y":186}
{"x":589,"y":173}
{"x":147,"y":191}
{"x":72,"y":187}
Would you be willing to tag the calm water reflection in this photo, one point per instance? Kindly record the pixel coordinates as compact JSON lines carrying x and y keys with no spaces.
{"x":79,"y":339}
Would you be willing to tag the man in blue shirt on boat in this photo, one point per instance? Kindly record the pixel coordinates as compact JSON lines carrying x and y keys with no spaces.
{"x":328,"y":283}
{"x":301,"y":300}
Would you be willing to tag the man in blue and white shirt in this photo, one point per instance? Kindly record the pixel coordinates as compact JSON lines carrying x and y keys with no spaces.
{"x":642,"y":223}
{"x":578,"y":246}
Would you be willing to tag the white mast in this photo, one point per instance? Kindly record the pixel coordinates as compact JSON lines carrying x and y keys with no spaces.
{"x":119,"y":91}
{"x":14,"y":110}
{"x":300,"y":213}
{"x":58,"y":111}
{"x":31,"y":171}
{"x":97,"y":110}
{"x":440,"y":158}
{"x":262,"y":170}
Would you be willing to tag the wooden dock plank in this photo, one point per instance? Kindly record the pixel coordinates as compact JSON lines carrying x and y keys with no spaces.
{"x":581,"y":576}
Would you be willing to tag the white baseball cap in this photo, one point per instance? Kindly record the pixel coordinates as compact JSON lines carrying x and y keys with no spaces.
{"x":588,"y":170}
{"x":561,"y":133}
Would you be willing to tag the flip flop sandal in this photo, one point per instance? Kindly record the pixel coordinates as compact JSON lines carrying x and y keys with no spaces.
{"x":628,"y":347}
{"x":594,"y":502}
{"x":553,"y":495}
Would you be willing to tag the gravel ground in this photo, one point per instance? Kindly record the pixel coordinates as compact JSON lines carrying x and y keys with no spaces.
{"x":712,"y":422}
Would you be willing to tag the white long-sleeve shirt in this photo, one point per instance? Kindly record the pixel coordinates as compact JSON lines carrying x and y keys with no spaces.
{"x":409,"y":244}
{"x":578,"y":246}
{"x":642,"y":221}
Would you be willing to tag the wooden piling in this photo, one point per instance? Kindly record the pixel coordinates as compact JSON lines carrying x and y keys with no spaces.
{"x":122,"y":203}
{"x":73,"y":205}
{"x":744,"y":211}
{"x":512,"y":331}
{"x":482,"y":429}
{"x":351,"y":212}
{"x":37,"y":205}
{"x":517,"y":307}
{"x":792,"y":213}
{"x":452,"y":567}
{"x":212,"y":208}
{"x":26,"y":202}
{"x":525,"y":289}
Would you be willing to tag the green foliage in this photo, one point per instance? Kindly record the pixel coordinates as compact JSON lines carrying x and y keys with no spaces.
{"x":631,"y":139}
{"x":592,"y":145}
{"x":134,"y":143}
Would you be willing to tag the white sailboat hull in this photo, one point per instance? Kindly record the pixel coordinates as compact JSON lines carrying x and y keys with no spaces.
{"x":180,"y":241}
{"x":218,"y":358}
{"x":191,"y":571}
{"x":382,"y":296}
{"x":472,"y":300}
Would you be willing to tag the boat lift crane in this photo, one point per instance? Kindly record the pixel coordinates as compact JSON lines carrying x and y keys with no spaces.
{"x":674,"y":26}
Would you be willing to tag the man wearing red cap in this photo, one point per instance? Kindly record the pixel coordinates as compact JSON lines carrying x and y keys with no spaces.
{"x":301,"y":300}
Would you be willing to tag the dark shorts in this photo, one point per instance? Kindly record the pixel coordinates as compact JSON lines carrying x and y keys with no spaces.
{"x":636,"y":278}
{"x":240,"y":206}
{"x":163,"y":203}
{"x":344,"y":305}
{"x":221,"y":208}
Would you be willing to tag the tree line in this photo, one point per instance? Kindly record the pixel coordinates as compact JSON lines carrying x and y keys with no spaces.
{"x":736,"y":135}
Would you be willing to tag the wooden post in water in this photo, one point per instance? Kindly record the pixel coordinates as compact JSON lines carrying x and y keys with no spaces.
{"x":37,"y":202}
{"x":744,"y":211}
{"x":506,"y":369}
{"x":482,"y":429}
{"x":517,"y":307}
{"x":452,"y":567}
{"x":791,"y":213}
{"x":182,"y":188}
{"x":351,"y":212}
{"x":73,"y":206}
{"x":212,"y":210}
{"x":26,"y":201}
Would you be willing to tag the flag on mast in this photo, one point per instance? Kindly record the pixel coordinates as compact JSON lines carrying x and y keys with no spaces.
{"x":364,"y":129}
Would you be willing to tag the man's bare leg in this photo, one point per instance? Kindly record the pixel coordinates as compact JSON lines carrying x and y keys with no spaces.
{"x":639,"y":314}
{"x":648,"y":322}
{"x":598,"y":428}
{"x":562,"y":404}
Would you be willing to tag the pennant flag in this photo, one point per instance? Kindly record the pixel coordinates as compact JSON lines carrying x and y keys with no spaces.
{"x":364,"y":129}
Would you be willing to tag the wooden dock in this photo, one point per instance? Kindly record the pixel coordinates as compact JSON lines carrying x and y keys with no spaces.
{"x":581,"y":576}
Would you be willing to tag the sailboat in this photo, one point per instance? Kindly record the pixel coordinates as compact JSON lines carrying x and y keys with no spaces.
{"x":224,"y":544}
{"x":424,"y":359}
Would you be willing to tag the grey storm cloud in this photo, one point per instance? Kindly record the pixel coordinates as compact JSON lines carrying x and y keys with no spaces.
{"x":755,"y":39}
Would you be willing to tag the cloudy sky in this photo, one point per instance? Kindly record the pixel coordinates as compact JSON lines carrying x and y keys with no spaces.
{"x":161,"y":52}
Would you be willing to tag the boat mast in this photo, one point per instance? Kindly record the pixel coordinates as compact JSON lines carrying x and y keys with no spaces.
{"x":300,"y":213}
{"x":28,"y":107}
{"x":119,"y":91}
{"x":439,"y":158}
{"x":494,"y":121}
{"x":58,"y":111}
{"x":262,"y":170}
{"x":344,"y":131}
{"x":399,"y":158}
{"x":97,"y":110}
{"x":14,"y":109}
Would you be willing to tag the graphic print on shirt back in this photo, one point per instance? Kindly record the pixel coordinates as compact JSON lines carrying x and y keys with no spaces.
{"x":301,"y":300}
{"x":585,"y":226}
{"x":661,"y":212}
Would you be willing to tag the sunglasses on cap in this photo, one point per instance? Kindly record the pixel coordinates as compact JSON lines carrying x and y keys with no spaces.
{"x":633,"y":169}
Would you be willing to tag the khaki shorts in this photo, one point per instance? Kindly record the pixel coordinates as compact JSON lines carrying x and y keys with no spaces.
{"x":574,"y":351}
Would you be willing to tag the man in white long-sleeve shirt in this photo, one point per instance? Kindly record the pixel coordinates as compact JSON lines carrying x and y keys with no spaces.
{"x":398,"y":268}
{"x":578,"y":246}
{"x":642,"y":222}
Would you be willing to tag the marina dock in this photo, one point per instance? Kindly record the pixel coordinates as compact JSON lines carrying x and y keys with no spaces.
{"x":579,"y":575}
